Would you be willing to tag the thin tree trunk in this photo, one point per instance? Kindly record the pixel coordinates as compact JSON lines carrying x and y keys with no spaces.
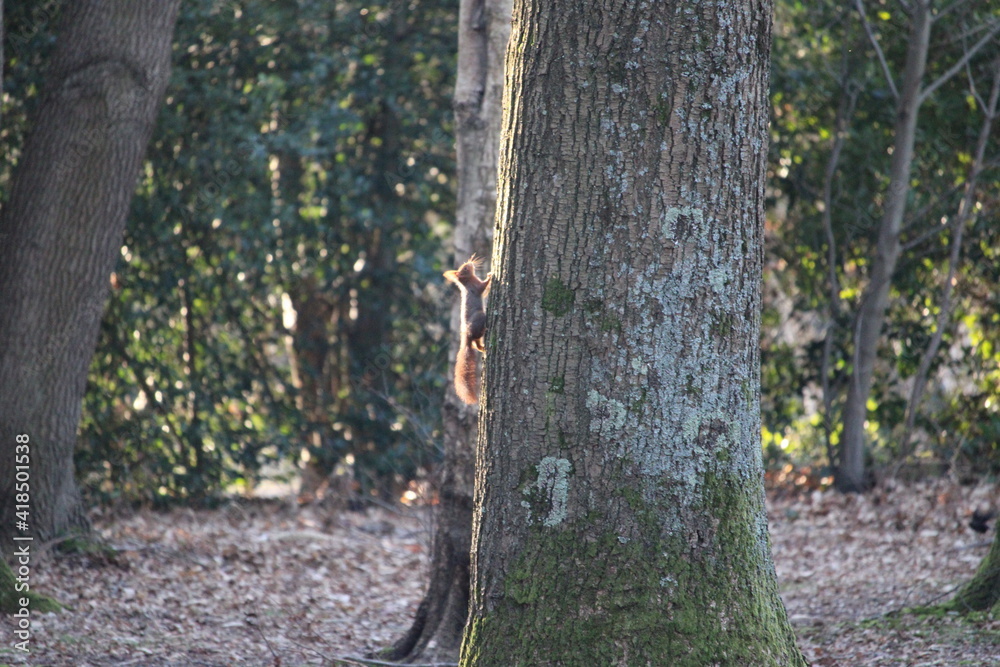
{"x":845,"y":111}
{"x":62,"y":230}
{"x":851,"y":474}
{"x":958,"y":224}
{"x":619,"y":496}
{"x":484,"y":28}
{"x":311,"y":347}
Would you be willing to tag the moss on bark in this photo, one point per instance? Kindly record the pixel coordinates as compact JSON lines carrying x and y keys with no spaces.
{"x":11,"y":598}
{"x":982,"y":592}
{"x":659,"y":602}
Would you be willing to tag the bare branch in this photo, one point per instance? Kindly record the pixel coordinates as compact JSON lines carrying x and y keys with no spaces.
{"x":844,"y":114}
{"x":968,"y":33}
{"x":957,"y":67}
{"x":972,"y":87}
{"x":991,"y":110}
{"x":918,"y":217}
{"x":926,"y":236}
{"x":949,"y":9}
{"x":878,"y":49}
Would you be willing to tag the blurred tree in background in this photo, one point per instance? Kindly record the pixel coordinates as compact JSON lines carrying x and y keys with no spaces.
{"x":66,"y":208}
{"x":832,"y":140}
{"x":273,"y":298}
{"x":278,"y":297}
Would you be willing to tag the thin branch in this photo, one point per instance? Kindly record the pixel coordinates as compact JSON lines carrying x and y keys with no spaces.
{"x":961,"y":37}
{"x":918,"y":217}
{"x":966,"y":547}
{"x":990,"y":109}
{"x":972,"y":86}
{"x":923,"y":238}
{"x":957,"y":67}
{"x":844,"y":113}
{"x":949,"y":9}
{"x":267,"y":642}
{"x":420,"y":426}
{"x":878,"y":49}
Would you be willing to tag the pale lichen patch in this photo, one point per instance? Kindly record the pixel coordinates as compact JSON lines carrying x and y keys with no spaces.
{"x":691,"y":426}
{"x":718,"y":278}
{"x":672,"y":214}
{"x":551,"y":489}
{"x":607,"y":414}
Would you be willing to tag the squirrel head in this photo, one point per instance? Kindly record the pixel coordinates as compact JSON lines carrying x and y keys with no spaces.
{"x":466,"y":273}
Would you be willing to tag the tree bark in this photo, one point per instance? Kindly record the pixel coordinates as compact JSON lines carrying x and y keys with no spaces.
{"x":619,"y":494}
{"x":850,"y":475}
{"x":62,"y":229}
{"x":982,"y":592}
{"x":484,"y":29}
{"x":2,"y":61}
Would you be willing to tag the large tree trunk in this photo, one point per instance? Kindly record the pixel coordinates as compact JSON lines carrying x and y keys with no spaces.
{"x":484,"y":28}
{"x":619,"y":494}
{"x":850,"y":475}
{"x":62,"y":230}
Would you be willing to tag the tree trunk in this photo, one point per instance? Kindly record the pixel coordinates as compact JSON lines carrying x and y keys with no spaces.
{"x":311,"y":367}
{"x":484,"y":28}
{"x":835,"y":307}
{"x":619,"y":494}
{"x":982,"y":592}
{"x":2,"y":61}
{"x":62,"y":230}
{"x":850,"y":475}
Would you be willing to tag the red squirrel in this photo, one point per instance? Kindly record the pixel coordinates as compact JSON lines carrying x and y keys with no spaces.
{"x":473,"y":292}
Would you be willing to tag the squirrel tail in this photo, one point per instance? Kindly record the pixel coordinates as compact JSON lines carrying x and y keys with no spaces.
{"x":465,"y":375}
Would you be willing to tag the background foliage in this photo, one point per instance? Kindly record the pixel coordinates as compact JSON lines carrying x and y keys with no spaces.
{"x":824,"y":71}
{"x":279,"y":301}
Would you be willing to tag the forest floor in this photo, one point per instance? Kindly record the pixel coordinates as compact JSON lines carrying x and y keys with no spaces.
{"x":272,"y":584}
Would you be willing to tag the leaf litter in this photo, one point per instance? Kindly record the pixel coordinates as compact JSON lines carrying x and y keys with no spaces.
{"x":269,"y":583}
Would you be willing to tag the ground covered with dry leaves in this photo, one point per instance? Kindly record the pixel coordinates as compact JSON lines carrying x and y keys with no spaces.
{"x":269,"y":583}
